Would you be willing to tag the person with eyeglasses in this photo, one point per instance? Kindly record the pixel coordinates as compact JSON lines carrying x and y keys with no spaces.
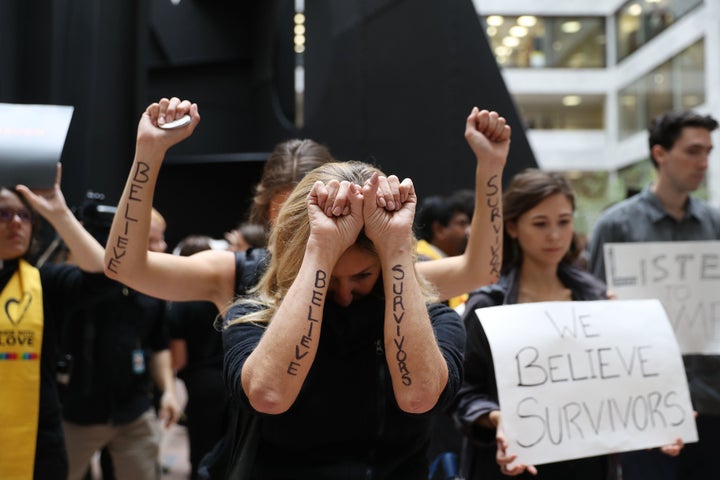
{"x":7,"y":215}
{"x":33,"y":303}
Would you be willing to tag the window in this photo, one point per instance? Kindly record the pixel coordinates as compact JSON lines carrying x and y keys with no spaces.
{"x":562,"y":112}
{"x":677,"y":83}
{"x":547,"y":42}
{"x":639,"y":21}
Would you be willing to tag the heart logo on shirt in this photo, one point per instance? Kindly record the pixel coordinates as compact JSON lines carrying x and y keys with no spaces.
{"x":15,"y":308}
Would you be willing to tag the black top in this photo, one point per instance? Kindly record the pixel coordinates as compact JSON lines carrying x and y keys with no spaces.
{"x":193,"y":323}
{"x":249,"y":267}
{"x":345,"y":422}
{"x":478,"y":395}
{"x":112,"y":338}
{"x":203,"y":339}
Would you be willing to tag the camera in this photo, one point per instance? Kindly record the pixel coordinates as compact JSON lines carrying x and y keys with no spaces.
{"x":96,"y":217}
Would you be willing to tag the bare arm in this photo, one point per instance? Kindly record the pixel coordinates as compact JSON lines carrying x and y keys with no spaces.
{"x":417,"y":368}
{"x":87,"y":252}
{"x":276,"y":370}
{"x":489,"y":137}
{"x":208,"y":275}
{"x":162,"y":373}
{"x":178,"y":353}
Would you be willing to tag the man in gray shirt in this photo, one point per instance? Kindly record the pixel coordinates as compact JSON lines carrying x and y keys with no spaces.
{"x":680,"y":143}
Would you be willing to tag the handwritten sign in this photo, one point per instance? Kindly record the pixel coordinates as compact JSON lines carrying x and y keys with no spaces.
{"x":684,"y":276}
{"x":578,"y":379}
{"x":31,"y":142}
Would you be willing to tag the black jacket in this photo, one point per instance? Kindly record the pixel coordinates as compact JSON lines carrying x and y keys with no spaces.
{"x":478,"y":395}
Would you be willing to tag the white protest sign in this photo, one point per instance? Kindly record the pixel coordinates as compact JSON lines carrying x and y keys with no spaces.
{"x":684,"y":276}
{"x":578,"y":379}
{"x":32,"y":138}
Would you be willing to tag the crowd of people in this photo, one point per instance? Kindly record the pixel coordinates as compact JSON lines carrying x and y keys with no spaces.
{"x":335,"y":334}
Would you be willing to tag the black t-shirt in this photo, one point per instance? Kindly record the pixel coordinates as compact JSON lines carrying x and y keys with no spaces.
{"x":193,"y":323}
{"x":249,"y":267}
{"x":112,"y":338}
{"x":345,"y":421}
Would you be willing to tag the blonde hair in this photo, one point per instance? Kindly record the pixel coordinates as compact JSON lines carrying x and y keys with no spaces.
{"x":289,"y":237}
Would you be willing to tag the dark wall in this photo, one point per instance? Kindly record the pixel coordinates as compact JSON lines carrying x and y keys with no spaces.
{"x":388,"y":81}
{"x":393,"y":81}
{"x":79,"y":53}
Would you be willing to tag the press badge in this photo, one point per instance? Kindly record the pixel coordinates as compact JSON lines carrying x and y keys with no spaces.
{"x":138,"y":361}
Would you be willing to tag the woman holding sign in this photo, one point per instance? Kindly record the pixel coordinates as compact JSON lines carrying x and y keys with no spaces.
{"x":539,"y":250}
{"x":34,"y":302}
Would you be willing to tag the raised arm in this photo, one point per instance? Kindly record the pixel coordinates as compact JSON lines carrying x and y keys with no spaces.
{"x":489,"y":138}
{"x":208,"y":275}
{"x":275,"y":371}
{"x":87,"y":252}
{"x":417,"y":367}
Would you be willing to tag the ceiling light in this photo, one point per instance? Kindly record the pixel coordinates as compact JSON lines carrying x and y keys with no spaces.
{"x":527,"y":21}
{"x":518,"y":31}
{"x":495,"y":20}
{"x":635,"y":10}
{"x":571,"y":27}
{"x":571,"y":100}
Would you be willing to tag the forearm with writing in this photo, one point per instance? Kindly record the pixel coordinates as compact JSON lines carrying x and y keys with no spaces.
{"x":481,"y":262}
{"x":417,"y":368}
{"x":276,"y":370}
{"x":127,"y":248}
